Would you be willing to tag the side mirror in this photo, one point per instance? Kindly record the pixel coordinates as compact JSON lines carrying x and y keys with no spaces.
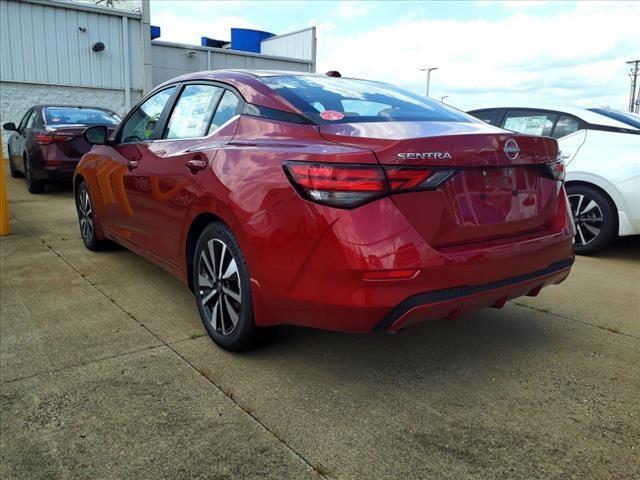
{"x":10,"y":126}
{"x":96,"y":135}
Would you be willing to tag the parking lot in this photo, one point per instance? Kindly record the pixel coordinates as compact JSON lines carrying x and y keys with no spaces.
{"x":107,"y":373}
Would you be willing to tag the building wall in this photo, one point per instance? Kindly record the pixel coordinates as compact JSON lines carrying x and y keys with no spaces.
{"x":51,"y":44}
{"x":170,"y":60}
{"x":46,"y":56}
{"x":300,"y":44}
{"x":16,"y":98}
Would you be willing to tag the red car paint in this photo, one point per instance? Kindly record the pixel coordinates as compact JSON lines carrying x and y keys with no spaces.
{"x":495,"y":230}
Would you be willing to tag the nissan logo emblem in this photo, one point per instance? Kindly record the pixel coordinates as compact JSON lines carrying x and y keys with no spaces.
{"x":511,"y":149}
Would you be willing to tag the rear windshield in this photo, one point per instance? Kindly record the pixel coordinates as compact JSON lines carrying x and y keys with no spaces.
{"x":344,"y":100}
{"x":624,"y":117}
{"x":79,"y":116}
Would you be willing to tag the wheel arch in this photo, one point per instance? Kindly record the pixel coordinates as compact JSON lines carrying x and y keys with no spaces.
{"x":599,"y":183}
{"x":604,"y":193}
{"x":198,"y":224}
{"x":76,"y":183}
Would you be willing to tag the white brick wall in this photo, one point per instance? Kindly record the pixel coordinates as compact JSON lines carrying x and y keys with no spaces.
{"x":17,"y":98}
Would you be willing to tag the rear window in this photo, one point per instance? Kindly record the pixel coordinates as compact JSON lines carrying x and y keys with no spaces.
{"x":79,"y":116}
{"x":344,"y":100}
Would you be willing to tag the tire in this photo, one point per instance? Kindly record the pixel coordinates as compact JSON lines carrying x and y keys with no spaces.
{"x":87,"y":220}
{"x":595,"y":217}
{"x":33,"y":185}
{"x":224,"y":301}
{"x":15,"y":173}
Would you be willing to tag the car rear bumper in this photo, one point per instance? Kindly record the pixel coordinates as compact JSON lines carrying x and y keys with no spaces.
{"x":452,"y":302}
{"x":50,"y":172}
{"x":326,"y":285}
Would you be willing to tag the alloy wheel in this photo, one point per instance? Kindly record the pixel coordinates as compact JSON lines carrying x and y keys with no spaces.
{"x":588,"y":218}
{"x":85,"y":212}
{"x":27,"y":171}
{"x":219,"y":289}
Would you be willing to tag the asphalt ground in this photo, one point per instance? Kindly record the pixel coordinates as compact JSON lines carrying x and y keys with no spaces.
{"x":106,"y":373}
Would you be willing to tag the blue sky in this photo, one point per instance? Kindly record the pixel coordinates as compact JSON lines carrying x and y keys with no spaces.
{"x":488,"y":52}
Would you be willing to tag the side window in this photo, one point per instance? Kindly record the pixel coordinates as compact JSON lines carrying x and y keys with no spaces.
{"x":491,"y":117}
{"x":227,"y":108}
{"x":25,"y":119}
{"x":140,"y":126}
{"x":565,"y":126}
{"x":32,"y":119}
{"x":193,"y":111}
{"x":530,"y":122}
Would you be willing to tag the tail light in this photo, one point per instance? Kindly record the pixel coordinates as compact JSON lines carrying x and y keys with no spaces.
{"x":46,"y":139}
{"x":555,"y":170}
{"x":348,"y":185}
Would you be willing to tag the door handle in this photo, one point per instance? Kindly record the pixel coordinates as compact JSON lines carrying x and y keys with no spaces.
{"x":196,"y":164}
{"x":132,"y":164}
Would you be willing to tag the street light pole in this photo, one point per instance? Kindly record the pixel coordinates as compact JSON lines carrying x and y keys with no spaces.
{"x":443,"y":97}
{"x":428,"y":70}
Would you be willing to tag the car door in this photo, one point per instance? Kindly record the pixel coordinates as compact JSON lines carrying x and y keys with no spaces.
{"x":198,"y":125}
{"x":17,"y":141}
{"x":122,"y":190}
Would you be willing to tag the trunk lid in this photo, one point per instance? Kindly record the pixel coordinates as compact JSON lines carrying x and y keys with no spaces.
{"x":494,"y":193}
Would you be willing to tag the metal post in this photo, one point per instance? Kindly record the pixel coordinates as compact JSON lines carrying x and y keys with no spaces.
{"x":147,"y":67}
{"x":633,"y":103}
{"x":126,"y":59}
{"x":5,"y":226}
{"x":428,"y":70}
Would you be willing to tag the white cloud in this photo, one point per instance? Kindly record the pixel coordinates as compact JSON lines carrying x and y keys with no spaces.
{"x":322,"y":28}
{"x":576,"y":57}
{"x":349,"y":9}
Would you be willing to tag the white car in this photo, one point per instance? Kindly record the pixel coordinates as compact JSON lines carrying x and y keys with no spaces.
{"x":601,"y":150}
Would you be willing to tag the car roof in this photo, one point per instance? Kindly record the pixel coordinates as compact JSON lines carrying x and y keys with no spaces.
{"x":91,"y":107}
{"x":580,"y":112}
{"x":247,"y":82}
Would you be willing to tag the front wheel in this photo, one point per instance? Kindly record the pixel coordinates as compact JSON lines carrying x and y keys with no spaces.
{"x":87,"y":219}
{"x":222,"y":289}
{"x":15,"y":173}
{"x":595,"y":218}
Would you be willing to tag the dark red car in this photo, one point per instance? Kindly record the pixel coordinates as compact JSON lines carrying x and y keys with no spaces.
{"x":48,"y":142}
{"x":325,"y":202}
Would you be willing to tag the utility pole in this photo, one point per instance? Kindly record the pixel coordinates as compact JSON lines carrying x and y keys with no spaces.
{"x":428,"y":70}
{"x":634,"y":103}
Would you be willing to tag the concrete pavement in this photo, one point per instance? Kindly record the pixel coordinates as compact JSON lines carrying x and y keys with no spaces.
{"x":107,"y":373}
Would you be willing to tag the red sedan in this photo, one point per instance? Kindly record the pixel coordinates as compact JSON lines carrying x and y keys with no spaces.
{"x":284,"y":198}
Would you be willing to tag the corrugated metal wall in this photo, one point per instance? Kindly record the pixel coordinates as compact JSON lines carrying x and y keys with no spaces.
{"x":300,"y":44}
{"x":43,"y":43}
{"x":170,"y":60}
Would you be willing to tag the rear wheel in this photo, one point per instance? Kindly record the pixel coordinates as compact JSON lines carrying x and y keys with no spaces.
{"x":15,"y":173}
{"x":87,"y":219}
{"x":222,"y":289}
{"x":33,"y":185}
{"x":595,"y":217}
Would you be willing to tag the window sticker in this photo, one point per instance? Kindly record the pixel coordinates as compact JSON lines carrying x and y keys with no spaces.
{"x":331,"y":115}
